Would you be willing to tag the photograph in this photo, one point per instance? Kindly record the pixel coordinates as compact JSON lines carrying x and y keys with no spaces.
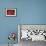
{"x":10,"y":12}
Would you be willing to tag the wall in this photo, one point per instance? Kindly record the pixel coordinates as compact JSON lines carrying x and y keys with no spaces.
{"x":34,"y":12}
{"x":28,"y":12}
{"x":8,"y":24}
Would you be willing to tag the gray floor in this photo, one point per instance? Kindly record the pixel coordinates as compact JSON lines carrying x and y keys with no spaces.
{"x":30,"y":43}
{"x":7,"y":45}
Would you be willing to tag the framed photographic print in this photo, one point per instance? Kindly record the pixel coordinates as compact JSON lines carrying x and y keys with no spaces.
{"x":11,"y":12}
{"x":34,"y":32}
